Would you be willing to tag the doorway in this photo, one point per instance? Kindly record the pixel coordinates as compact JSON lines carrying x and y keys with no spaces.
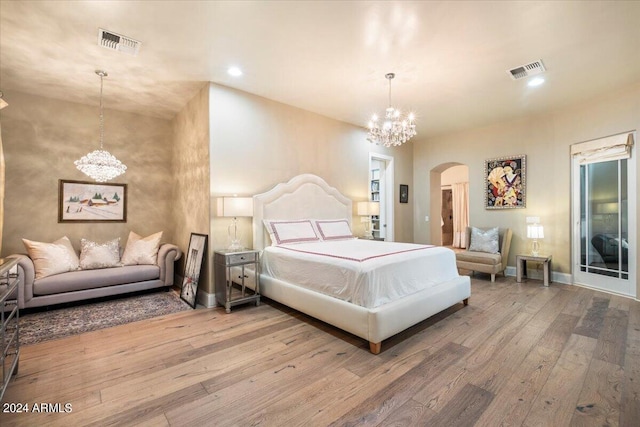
{"x":381,"y":179}
{"x":447,"y":217}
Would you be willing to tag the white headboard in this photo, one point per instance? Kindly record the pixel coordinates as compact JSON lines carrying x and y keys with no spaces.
{"x":305,"y":196}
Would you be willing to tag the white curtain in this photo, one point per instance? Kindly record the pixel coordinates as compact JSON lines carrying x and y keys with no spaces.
{"x":460,"y":194}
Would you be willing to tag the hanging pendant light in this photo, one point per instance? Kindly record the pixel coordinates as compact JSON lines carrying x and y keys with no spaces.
{"x":395,"y":129}
{"x":101,"y":165}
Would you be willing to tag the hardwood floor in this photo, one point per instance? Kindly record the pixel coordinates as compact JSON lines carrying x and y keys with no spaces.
{"x":518,"y":354}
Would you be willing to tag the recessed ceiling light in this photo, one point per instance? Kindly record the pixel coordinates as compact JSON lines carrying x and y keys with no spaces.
{"x":536,"y":81}
{"x":234,"y":71}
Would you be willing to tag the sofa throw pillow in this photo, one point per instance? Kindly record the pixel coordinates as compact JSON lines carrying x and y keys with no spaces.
{"x":484,"y":240}
{"x":141,"y":250}
{"x":52,"y":258}
{"x":99,"y":255}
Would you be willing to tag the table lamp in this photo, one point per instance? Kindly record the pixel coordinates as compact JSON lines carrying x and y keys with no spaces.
{"x":535,"y":232}
{"x":236,"y":207}
{"x":366,"y":210}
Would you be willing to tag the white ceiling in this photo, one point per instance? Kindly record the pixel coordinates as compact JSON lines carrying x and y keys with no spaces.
{"x":329,"y":57}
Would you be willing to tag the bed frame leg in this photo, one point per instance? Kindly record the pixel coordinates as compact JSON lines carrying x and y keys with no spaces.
{"x":375,"y":347}
{"x":465,"y":301}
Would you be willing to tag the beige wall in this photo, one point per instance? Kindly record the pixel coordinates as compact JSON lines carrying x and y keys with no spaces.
{"x":257,"y":143}
{"x":545,"y":139}
{"x":42,"y":137}
{"x":454,"y":175}
{"x":190,"y":171}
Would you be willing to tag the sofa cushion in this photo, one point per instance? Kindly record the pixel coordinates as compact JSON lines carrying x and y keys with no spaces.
{"x":99,"y":255}
{"x":52,"y":258}
{"x":141,"y":250}
{"x":479,"y":257}
{"x":89,"y":279}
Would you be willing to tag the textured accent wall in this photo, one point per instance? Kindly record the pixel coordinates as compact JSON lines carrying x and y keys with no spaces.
{"x":42,"y":137}
{"x":190,"y":170}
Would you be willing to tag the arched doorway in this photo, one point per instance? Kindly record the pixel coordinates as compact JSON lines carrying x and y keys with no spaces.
{"x":449,"y":201}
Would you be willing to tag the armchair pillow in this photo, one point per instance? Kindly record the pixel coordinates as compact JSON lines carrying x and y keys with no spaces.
{"x":52,"y":258}
{"x":484,"y":240}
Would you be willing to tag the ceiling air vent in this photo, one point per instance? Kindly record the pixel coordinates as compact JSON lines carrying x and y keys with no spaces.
{"x":115,"y":41}
{"x":527,"y":70}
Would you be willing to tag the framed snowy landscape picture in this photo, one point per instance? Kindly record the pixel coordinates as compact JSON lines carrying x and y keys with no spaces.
{"x":81,"y":201}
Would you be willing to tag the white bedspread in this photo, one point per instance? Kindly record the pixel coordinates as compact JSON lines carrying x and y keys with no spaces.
{"x":364,"y":272}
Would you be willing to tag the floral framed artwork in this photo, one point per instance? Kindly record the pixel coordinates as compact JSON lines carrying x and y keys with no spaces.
{"x":80,"y":201}
{"x":193,"y":267}
{"x":505,"y":182}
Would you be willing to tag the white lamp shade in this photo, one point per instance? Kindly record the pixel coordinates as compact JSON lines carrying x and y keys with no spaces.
{"x":368,"y":208}
{"x":237,"y":206}
{"x":535,"y":231}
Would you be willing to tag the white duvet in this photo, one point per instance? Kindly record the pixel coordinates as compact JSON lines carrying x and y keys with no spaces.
{"x":364,"y":272}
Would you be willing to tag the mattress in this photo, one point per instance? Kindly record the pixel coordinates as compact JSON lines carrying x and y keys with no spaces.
{"x":363,"y":272}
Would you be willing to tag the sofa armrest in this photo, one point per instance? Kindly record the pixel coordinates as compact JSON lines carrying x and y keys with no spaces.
{"x":26,"y":277}
{"x":168,"y":254}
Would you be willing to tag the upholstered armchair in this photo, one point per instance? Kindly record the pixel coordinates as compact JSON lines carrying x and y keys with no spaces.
{"x":485,"y":261}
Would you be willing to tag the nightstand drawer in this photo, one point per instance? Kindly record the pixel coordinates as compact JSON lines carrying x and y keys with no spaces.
{"x":242,"y":258}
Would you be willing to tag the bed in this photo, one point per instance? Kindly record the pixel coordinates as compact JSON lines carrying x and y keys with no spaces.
{"x":426,"y":278}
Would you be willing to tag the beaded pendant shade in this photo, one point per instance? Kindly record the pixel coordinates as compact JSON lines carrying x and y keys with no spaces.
{"x":101,"y":165}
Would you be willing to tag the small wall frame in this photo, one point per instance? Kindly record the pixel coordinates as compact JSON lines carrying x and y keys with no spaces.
{"x":404,"y":193}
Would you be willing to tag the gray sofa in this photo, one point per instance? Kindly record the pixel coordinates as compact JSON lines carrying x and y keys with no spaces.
{"x":85,"y":284}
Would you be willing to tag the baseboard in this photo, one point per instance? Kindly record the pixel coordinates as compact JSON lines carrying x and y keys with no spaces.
{"x":532,"y":273}
{"x":206,"y":299}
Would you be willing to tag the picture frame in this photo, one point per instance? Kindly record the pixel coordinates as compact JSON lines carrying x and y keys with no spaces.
{"x":82,"y":201}
{"x":505,"y":182}
{"x":193,"y":268}
{"x":404,"y":193}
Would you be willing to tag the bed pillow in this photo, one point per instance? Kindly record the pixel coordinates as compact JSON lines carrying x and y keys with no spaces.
{"x":52,"y":258}
{"x":289,"y":232}
{"x":484,"y":240}
{"x":337,"y":229}
{"x":141,"y":250}
{"x":99,"y":255}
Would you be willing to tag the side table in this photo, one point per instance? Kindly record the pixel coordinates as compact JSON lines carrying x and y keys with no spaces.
{"x":9,"y":328}
{"x":225,"y":261}
{"x":521,"y":266}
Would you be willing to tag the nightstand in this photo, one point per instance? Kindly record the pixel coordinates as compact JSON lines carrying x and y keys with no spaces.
{"x":232,"y":277}
{"x":521,"y":266}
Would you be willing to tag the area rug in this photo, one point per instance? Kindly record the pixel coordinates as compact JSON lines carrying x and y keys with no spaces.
{"x":58,"y":323}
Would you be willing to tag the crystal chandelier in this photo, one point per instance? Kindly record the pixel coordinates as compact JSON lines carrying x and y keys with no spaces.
{"x":101,"y":165}
{"x":395,"y":130}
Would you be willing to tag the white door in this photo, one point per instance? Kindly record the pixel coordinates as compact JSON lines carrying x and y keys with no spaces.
{"x":604,"y":225}
{"x":384,"y":164}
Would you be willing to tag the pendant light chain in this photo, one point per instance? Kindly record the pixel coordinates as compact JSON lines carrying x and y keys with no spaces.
{"x":101,"y":112}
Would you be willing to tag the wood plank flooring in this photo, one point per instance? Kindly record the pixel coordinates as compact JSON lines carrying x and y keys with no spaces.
{"x":518,"y":355}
